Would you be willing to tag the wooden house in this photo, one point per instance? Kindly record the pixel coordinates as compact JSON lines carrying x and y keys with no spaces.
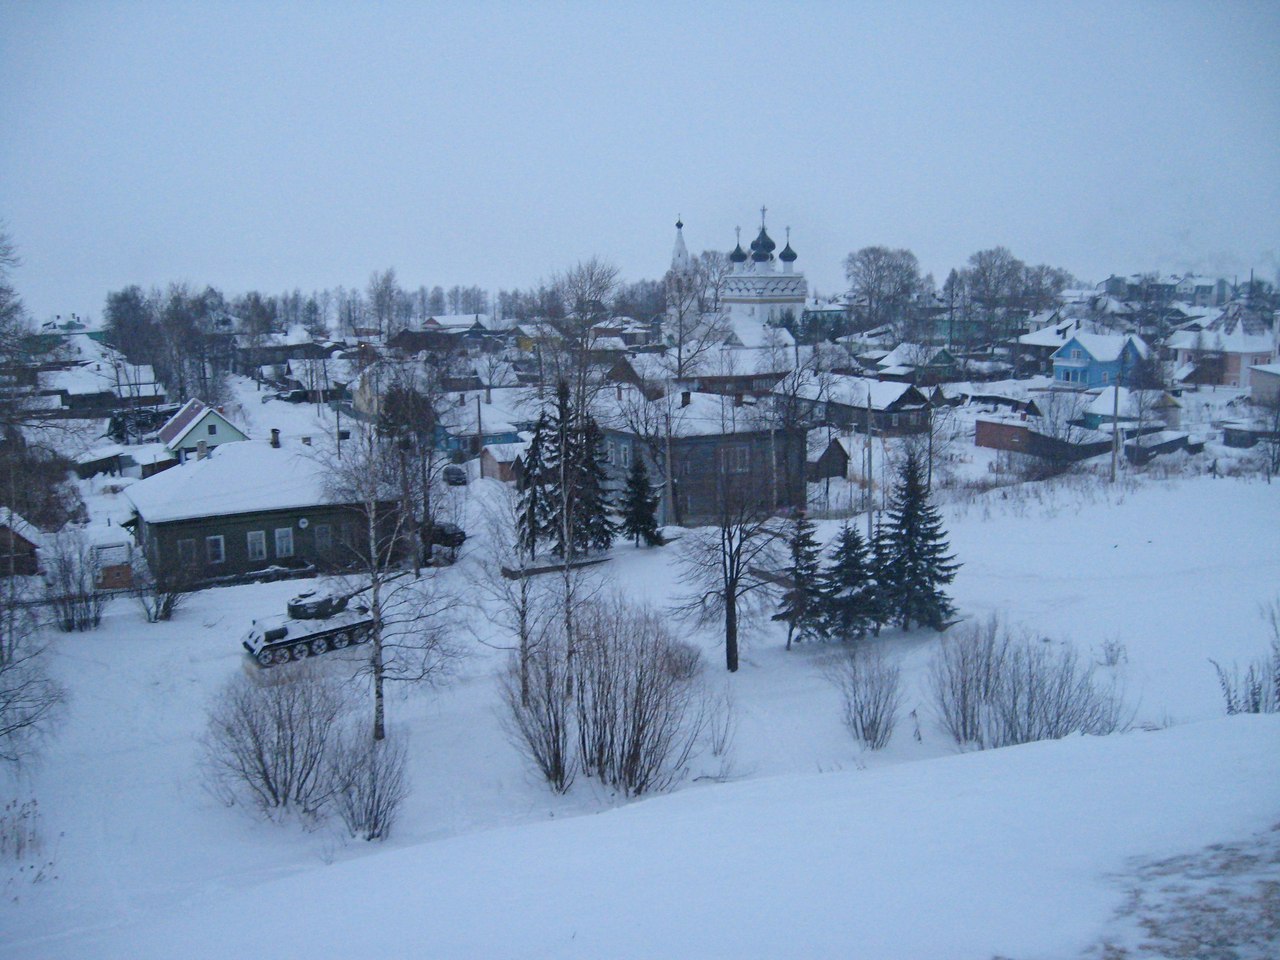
{"x":243,"y":509}
{"x":20,"y":545}
{"x":197,"y":426}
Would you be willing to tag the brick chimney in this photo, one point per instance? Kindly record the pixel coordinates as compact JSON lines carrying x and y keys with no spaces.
{"x":202,"y":449}
{"x":685,"y":398}
{"x":275,"y":438}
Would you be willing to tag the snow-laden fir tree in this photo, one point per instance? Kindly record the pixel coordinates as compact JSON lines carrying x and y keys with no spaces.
{"x":847,"y":587}
{"x":594,"y":528}
{"x":565,"y":502}
{"x":560,"y":456}
{"x":532,"y":517}
{"x":640,"y":505}
{"x":802,"y":602}
{"x":919,"y":563}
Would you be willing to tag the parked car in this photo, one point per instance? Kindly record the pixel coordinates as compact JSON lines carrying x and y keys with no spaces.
{"x":455,"y":475}
{"x":445,"y":535}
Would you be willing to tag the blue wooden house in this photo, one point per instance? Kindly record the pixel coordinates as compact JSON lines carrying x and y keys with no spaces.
{"x":1097,"y":359}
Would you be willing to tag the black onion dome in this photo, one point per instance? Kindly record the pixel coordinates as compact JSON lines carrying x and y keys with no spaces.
{"x":787,"y":255}
{"x":739,"y":255}
{"x":762,"y":247}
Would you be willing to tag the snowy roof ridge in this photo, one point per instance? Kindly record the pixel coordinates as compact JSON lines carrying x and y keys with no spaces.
{"x":235,"y":478}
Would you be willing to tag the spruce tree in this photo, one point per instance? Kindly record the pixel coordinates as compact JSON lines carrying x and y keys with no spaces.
{"x":593,"y":528}
{"x":882,"y":590}
{"x":560,"y":455}
{"x":918,"y":562}
{"x":847,"y":587}
{"x":802,"y":605}
{"x":640,"y":505}
{"x":533,"y":508}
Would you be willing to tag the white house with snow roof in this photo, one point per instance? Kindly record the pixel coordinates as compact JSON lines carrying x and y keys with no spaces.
{"x":198,"y":426}
{"x":1222,"y":349}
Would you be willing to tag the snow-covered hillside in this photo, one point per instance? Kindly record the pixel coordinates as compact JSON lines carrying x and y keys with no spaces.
{"x":1018,"y":852}
{"x":801,"y":846}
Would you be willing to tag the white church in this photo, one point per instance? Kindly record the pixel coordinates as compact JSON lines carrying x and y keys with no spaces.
{"x":760,"y":289}
{"x":757,"y":290}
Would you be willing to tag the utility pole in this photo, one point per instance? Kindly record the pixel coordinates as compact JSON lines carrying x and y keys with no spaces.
{"x":866,"y":496}
{"x":1115,"y":415}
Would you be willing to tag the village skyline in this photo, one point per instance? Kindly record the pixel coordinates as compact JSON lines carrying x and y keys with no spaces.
{"x":257,"y":149}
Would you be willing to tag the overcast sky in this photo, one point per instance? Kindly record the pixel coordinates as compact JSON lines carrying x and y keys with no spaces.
{"x":272,"y":146}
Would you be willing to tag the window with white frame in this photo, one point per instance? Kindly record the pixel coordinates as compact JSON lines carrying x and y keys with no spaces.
{"x":284,"y":542}
{"x":215,"y":549}
{"x":735,"y":459}
{"x":256,"y":541}
{"x":624,"y":455}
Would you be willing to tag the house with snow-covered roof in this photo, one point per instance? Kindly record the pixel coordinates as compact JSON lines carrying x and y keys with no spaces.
{"x":700,"y":447}
{"x":851,"y":403}
{"x":917,"y":363}
{"x":1089,"y":360}
{"x":20,"y":545}
{"x":198,"y":426}
{"x":1221,"y":351}
{"x":1131,"y":407}
{"x":243,"y":509}
{"x":1264,"y":384}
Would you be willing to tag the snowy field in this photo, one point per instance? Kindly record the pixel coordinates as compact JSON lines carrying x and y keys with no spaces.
{"x":801,"y":845}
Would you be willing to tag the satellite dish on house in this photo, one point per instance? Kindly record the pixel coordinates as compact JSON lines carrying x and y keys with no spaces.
{"x":304,"y":523}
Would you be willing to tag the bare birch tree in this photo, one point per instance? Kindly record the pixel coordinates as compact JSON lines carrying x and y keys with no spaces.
{"x":408,"y":635}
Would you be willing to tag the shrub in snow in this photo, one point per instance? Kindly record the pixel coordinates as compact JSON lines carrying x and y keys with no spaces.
{"x":285,"y":741}
{"x":269,"y":738}
{"x":161,"y":592}
{"x":993,"y":689}
{"x":368,"y":781}
{"x":71,"y":583}
{"x":626,"y":704}
{"x":870,"y":692}
{"x":19,"y":830}
{"x":1258,"y":691}
{"x":536,"y":692}
{"x":962,"y":678}
{"x":1047,"y":694}
{"x":640,"y":705}
{"x":29,"y":697}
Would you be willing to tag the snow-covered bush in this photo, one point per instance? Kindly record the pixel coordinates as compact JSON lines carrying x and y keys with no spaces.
{"x":286,"y":741}
{"x":627,"y":704}
{"x":30,"y":699}
{"x":1047,"y":694}
{"x":71,"y":582}
{"x":369,"y":781}
{"x":994,"y":689}
{"x":962,"y":677}
{"x":537,"y":694}
{"x":19,"y":829}
{"x":270,"y":739}
{"x":640,"y":704}
{"x":870,"y":692}
{"x":161,"y":592}
{"x":1258,"y":691}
